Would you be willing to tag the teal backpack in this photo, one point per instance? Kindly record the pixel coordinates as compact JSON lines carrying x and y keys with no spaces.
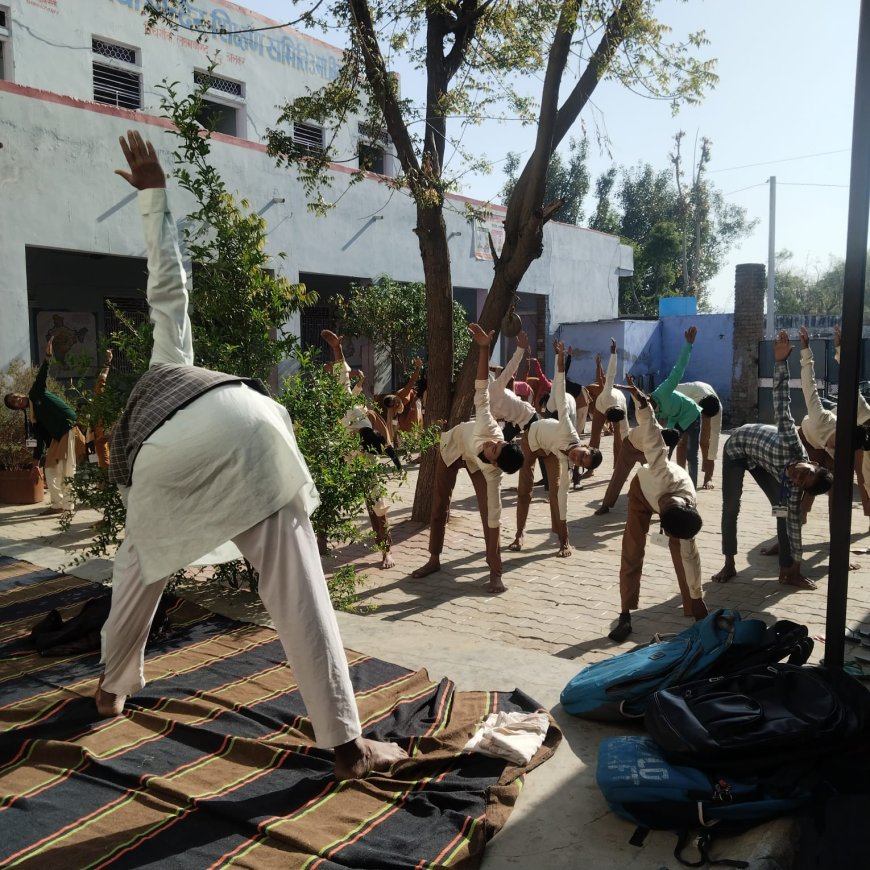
{"x":622,"y":686}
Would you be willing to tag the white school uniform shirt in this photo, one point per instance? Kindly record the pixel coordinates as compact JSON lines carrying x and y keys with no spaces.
{"x":192,"y":494}
{"x":505,"y":404}
{"x":357,"y":417}
{"x":696,"y":391}
{"x":659,"y":477}
{"x":466,"y":441}
{"x":557,"y":437}
{"x":610,"y":397}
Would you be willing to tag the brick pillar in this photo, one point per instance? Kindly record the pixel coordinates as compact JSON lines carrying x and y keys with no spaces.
{"x":750,"y":286}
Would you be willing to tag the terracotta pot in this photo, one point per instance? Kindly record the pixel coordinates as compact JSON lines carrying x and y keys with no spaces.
{"x":16,"y":487}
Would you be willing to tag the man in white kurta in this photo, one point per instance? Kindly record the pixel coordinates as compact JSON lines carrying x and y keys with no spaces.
{"x":203,"y":458}
{"x":659,"y":487}
{"x":477,"y":446}
{"x":557,"y":443}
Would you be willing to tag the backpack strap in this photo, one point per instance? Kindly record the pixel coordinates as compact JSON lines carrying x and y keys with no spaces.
{"x":703,"y":846}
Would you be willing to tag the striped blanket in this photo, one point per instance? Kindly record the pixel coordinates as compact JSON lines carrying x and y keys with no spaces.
{"x":213,"y":763}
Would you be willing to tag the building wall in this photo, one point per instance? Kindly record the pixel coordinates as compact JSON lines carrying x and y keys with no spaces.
{"x":60,"y":150}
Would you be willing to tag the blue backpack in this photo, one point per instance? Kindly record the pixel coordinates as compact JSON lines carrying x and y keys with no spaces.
{"x":622,"y":686}
{"x":642,"y":786}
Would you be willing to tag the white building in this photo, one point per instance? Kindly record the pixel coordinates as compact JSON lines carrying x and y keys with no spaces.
{"x":75,"y":74}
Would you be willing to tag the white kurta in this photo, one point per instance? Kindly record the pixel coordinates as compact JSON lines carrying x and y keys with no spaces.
{"x":179,"y":506}
{"x":611,"y":397}
{"x":505,"y":404}
{"x":697,"y":391}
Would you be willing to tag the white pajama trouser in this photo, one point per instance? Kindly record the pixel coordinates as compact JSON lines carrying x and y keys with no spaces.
{"x":283,"y":549}
{"x":58,"y":491}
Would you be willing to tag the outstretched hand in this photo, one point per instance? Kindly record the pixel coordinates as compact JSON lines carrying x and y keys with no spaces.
{"x":837,"y":336}
{"x":331,"y":338}
{"x":782,"y":347}
{"x":639,"y":396}
{"x":481,"y":338}
{"x":522,"y":339}
{"x":691,"y":334}
{"x":805,"y":337}
{"x":613,"y":345}
{"x":145,"y":170}
{"x":49,"y":345}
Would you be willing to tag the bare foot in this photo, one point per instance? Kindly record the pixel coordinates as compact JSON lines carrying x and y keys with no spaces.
{"x":430,"y":567}
{"x":107,"y":703}
{"x":798,"y":580}
{"x":602,"y":510}
{"x":359,"y":757}
{"x":725,"y":574}
{"x":495,"y":585}
{"x":517,"y":544}
{"x":707,"y":486}
{"x":387,"y":561}
{"x":564,"y":551}
{"x":699,"y":609}
{"x":772,"y":550}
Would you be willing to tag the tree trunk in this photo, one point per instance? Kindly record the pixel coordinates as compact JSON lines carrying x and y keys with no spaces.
{"x":432,"y":234}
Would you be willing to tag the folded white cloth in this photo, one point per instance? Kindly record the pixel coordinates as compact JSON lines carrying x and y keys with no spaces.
{"x":513,"y":736}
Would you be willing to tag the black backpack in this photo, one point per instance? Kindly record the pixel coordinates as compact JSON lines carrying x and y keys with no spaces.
{"x":783,"y":641}
{"x":760,"y":717}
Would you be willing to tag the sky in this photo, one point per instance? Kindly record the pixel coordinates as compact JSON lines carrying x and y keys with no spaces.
{"x":783,"y":107}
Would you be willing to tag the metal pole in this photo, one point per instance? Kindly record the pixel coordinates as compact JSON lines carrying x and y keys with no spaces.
{"x":850,"y":350}
{"x":770,"y":332}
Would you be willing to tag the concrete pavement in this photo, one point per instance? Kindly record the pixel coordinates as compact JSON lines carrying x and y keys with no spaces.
{"x":553,"y":619}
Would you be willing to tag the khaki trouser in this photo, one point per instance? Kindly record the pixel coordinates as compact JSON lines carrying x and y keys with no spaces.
{"x":526,"y":482}
{"x":629,"y":456}
{"x":598,"y":421}
{"x":634,"y":548}
{"x":445,"y":480}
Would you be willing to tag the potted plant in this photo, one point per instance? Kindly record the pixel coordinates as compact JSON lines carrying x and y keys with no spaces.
{"x":17,"y":485}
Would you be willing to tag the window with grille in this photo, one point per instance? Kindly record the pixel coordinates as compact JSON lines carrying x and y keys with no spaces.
{"x":308,"y":137}
{"x":118,"y":312}
{"x":371,"y":157}
{"x":117,"y":81}
{"x":222,"y":111}
{"x":216,"y":83}
{"x":2,"y":18}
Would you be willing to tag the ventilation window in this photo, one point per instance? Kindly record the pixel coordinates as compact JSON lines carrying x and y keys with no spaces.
{"x":216,"y":83}
{"x":308,"y":137}
{"x":117,"y":80}
{"x":5,"y":46}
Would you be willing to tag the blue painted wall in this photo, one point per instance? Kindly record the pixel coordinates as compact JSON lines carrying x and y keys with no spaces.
{"x":649,"y":348}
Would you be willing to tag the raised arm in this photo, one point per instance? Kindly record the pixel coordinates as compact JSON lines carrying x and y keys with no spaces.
{"x":37,"y":388}
{"x":513,"y":363}
{"x":815,"y":409}
{"x":782,"y":349}
{"x":610,"y":376}
{"x":669,"y":384}
{"x":167,"y":281}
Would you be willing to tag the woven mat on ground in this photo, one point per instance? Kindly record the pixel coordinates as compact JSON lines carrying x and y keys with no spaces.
{"x":213,"y":763}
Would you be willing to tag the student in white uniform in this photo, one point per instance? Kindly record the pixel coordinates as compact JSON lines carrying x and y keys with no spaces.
{"x":203,"y":458}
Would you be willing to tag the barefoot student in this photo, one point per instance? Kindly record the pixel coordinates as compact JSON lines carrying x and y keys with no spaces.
{"x":659,"y":487}
{"x":477,"y":446}
{"x":203,"y":458}
{"x":776,"y":458}
{"x":374,"y":441}
{"x":555,"y":441}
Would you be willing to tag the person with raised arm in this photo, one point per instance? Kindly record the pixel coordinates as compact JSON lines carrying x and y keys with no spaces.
{"x":711,"y":428}
{"x":504,"y":403}
{"x":479,"y":447}
{"x":202,"y":458}
{"x":555,"y":441}
{"x":610,"y":407}
{"x":677,"y":409}
{"x":659,"y":487}
{"x":776,"y":458}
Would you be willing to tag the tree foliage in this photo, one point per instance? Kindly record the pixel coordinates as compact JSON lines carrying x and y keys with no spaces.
{"x":567,"y":180}
{"x":680,"y":235}
{"x":392,"y":316}
{"x":475,"y":56}
{"x":811,"y":289}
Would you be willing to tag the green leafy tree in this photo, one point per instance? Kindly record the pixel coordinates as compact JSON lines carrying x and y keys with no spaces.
{"x":680,"y":235}
{"x":392,"y":316}
{"x":567,"y":180}
{"x":811,"y":289}
{"x":471,"y":53}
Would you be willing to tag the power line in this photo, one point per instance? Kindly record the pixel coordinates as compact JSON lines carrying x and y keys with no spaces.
{"x":809,"y":184}
{"x":732,"y":192}
{"x":782,"y":160}
{"x":167,"y":16}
